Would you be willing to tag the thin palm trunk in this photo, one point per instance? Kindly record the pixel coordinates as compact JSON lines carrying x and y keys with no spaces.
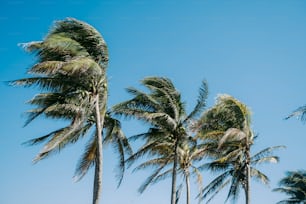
{"x":173,"y":187}
{"x":99,"y":157}
{"x":247,"y":194}
{"x":187,"y":180}
{"x":248,"y":173}
{"x":247,"y":132}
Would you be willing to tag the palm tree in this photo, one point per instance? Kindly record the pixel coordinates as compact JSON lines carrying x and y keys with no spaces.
{"x":294,"y":185}
{"x":229,"y":120}
{"x":188,"y":154}
{"x":71,"y":70}
{"x":164,"y":111}
{"x":227,"y":127}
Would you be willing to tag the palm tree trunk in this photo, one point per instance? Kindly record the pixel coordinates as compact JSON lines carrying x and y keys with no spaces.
{"x":173,"y":187}
{"x":97,"y":188}
{"x":248,"y":173}
{"x":248,"y":134}
{"x":247,"y":193}
{"x":187,"y":187}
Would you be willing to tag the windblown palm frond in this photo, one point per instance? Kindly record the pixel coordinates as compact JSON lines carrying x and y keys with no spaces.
{"x":299,"y":112}
{"x":86,"y":35}
{"x":201,"y":101}
{"x":56,"y":47}
{"x":293,"y":185}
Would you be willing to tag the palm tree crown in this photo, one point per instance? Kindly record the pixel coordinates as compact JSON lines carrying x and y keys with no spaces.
{"x":226,"y":130}
{"x":71,"y":70}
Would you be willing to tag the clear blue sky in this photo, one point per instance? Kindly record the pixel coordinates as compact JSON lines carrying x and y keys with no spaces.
{"x":253,"y":50}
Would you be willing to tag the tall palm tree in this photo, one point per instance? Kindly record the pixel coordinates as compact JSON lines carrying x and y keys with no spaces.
{"x":294,"y":185}
{"x":71,"y":70}
{"x":164,"y":111}
{"x":227,"y":126}
{"x":230,"y":119}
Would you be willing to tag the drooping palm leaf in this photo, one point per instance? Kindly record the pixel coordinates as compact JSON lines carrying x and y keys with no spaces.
{"x":201,"y":101}
{"x":294,"y":185}
{"x":299,"y":112}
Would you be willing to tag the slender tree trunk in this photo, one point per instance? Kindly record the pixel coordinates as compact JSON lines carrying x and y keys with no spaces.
{"x":173,"y":187}
{"x":248,"y":134}
{"x":248,"y":173}
{"x":187,"y":180}
{"x":97,"y":188}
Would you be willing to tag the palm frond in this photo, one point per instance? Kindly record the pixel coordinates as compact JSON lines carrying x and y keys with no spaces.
{"x":216,"y":185}
{"x":82,"y":67}
{"x":56,"y":47}
{"x":149,"y":180}
{"x":235,"y":105}
{"x":232,"y":134}
{"x":142,"y":151}
{"x":119,"y":149}
{"x":162,"y":176}
{"x":59,"y":140}
{"x":178,"y":193}
{"x":31,"y":46}
{"x":158,"y":82}
{"x":46,"y":83}
{"x":258,"y":175}
{"x":199,"y":179}
{"x":294,"y":185}
{"x":290,"y":201}
{"x":153,"y":163}
{"x":42,"y":138}
{"x":201,"y":101}
{"x":164,"y":90}
{"x":299,"y":112}
{"x":289,"y":190}
{"x":86,"y":35}
{"x":215,"y":166}
{"x":266,"y":152}
{"x":87,"y":159}
{"x":46,"y":67}
{"x":138,"y":137}
{"x":142,"y":99}
{"x":213,"y":134}
{"x":268,"y":159}
{"x":213,"y":194}
{"x":155,"y":118}
{"x":234,"y":188}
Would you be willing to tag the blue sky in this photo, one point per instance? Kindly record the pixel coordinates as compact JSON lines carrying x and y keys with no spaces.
{"x":252,"y":50}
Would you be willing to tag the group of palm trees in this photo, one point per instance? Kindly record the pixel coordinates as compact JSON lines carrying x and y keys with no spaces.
{"x":71,"y":74}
